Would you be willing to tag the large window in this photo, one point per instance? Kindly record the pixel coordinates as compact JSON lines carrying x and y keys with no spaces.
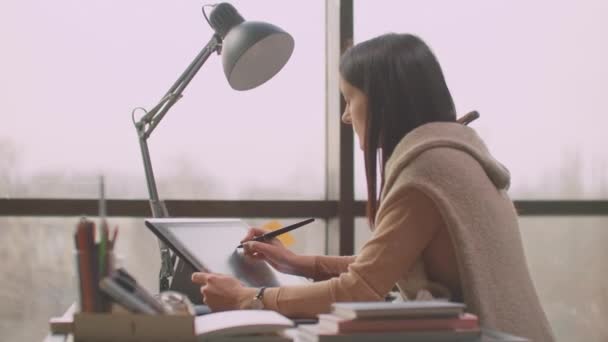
{"x":73,"y":71}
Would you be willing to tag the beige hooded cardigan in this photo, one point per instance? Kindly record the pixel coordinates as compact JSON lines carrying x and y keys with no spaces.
{"x":439,"y":172}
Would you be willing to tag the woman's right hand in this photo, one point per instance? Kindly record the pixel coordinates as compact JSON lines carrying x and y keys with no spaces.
{"x":276,"y":254}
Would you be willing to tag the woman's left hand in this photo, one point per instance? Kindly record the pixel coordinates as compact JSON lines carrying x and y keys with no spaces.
{"x":221,"y":292}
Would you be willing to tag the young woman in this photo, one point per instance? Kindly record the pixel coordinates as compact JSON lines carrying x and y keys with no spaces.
{"x":443,"y":225}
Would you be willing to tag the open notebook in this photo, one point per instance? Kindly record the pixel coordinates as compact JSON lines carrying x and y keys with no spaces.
{"x":210,"y":245}
{"x":240,"y":322}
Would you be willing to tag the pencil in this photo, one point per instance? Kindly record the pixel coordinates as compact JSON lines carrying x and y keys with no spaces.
{"x":278,"y":232}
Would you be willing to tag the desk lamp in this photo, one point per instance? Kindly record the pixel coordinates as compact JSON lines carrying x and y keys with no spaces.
{"x":252,"y":53}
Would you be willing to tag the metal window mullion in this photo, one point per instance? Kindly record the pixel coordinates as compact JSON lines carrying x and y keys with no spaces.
{"x":339,"y":138}
{"x":327,"y":209}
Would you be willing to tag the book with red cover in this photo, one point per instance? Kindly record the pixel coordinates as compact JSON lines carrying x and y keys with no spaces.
{"x":335,"y":324}
{"x":313,"y":333}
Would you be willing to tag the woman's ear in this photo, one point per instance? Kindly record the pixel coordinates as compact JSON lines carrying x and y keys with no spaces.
{"x":468,"y":118}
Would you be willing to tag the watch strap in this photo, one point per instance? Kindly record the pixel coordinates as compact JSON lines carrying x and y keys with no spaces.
{"x":260,"y":294}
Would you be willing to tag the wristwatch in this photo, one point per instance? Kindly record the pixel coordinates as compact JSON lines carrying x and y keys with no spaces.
{"x":257,"y":303}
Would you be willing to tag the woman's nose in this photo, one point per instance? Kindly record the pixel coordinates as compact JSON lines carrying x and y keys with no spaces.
{"x":346,"y":118}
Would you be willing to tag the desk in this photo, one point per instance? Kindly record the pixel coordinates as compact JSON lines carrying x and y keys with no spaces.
{"x":487,"y":335}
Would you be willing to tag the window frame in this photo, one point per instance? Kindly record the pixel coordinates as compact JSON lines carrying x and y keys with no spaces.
{"x":339,"y":208}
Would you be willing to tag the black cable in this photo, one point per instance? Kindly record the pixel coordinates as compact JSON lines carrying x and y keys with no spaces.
{"x":205,"y":14}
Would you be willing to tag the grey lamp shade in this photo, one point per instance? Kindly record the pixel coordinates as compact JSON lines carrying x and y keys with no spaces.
{"x":253,"y":52}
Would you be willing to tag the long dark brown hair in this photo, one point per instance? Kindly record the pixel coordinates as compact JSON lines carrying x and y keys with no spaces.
{"x":405,"y":88}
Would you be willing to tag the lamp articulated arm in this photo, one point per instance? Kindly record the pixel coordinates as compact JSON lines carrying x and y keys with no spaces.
{"x":146,"y":125}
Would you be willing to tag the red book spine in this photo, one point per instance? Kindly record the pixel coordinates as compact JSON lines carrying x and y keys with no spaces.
{"x":85,"y":241}
{"x":337,"y":325}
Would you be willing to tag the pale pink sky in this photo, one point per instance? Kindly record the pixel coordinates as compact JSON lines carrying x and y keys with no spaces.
{"x":535,"y":70}
{"x":72,"y":72}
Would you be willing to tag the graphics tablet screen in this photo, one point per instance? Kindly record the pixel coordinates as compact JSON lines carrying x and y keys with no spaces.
{"x":210,"y":245}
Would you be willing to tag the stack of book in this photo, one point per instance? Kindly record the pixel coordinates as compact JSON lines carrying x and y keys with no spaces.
{"x":401,"y":321}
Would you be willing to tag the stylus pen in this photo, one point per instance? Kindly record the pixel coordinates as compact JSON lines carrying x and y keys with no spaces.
{"x":278,"y":232}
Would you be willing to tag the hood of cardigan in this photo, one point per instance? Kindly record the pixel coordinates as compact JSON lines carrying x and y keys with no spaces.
{"x":447,"y":135}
